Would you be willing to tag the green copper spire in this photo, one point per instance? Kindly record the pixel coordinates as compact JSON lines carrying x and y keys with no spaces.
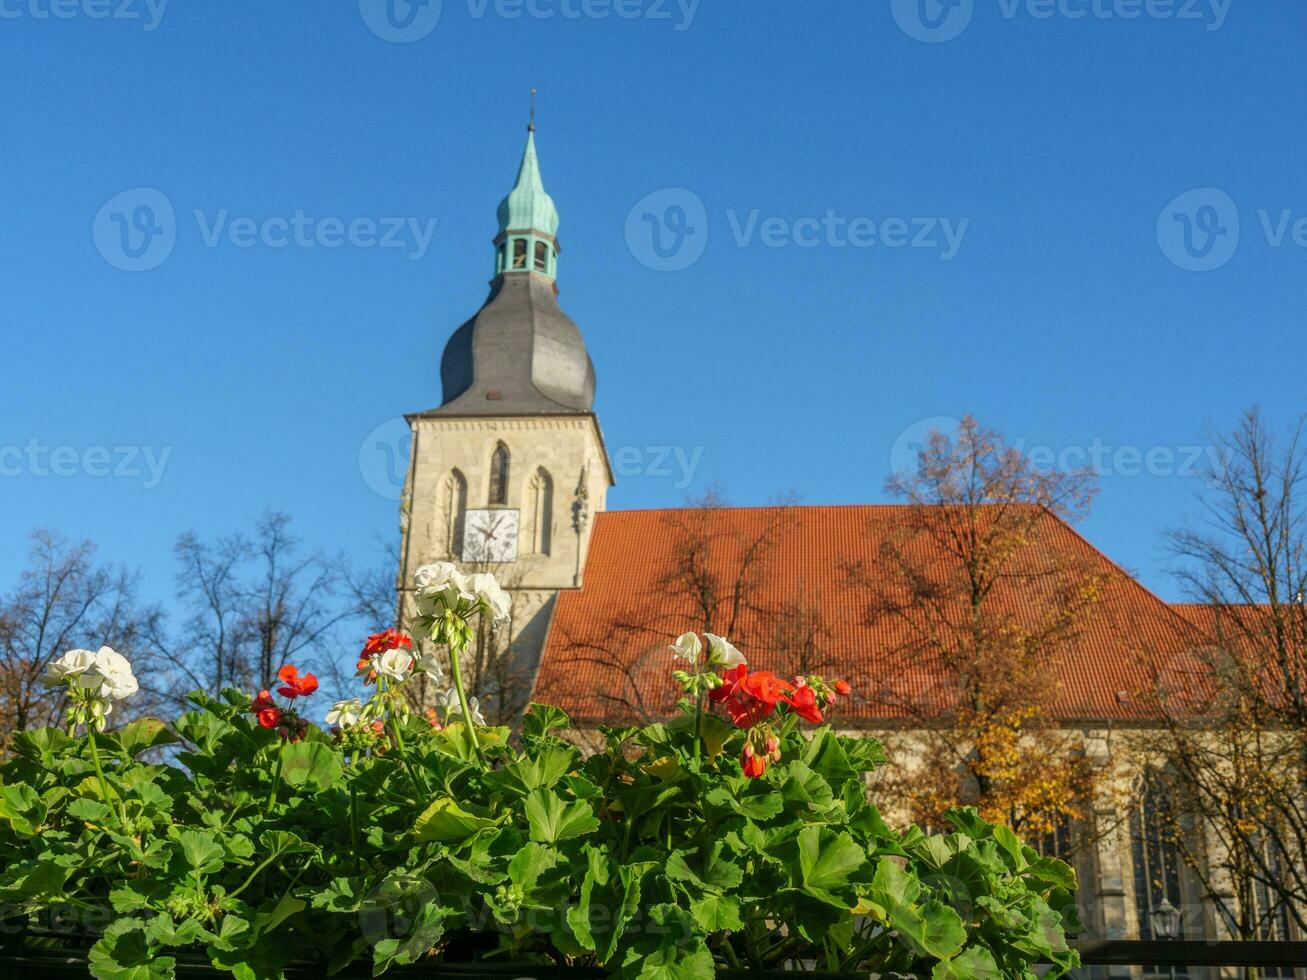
{"x":528,"y":207}
{"x":528,"y":222}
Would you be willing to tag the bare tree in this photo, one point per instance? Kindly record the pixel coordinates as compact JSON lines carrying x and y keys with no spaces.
{"x":1236,"y":717}
{"x":943,"y":583}
{"x":63,"y":600}
{"x":254,"y":605}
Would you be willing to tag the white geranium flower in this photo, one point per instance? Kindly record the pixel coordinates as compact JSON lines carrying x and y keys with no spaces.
{"x":345,"y":713}
{"x":394,"y":664}
{"x":119,"y":681}
{"x":485,"y":587}
{"x":441,"y":578}
{"x":105,"y":673}
{"x":71,"y":664}
{"x":429,"y":663}
{"x":722,"y":652}
{"x":688,"y":646}
{"x":449,"y":701}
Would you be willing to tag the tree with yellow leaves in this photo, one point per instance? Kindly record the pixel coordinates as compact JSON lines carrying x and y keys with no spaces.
{"x":947,"y":585}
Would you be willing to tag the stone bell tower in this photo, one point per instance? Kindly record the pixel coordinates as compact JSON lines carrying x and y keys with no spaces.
{"x":507,"y":474}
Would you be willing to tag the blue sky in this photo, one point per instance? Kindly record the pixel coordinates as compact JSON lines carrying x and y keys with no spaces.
{"x":890,"y":213}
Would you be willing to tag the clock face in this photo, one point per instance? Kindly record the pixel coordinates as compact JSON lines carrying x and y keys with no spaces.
{"x":490,"y":535}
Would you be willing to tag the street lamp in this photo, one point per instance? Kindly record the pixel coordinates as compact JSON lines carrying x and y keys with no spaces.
{"x":1165,"y":920}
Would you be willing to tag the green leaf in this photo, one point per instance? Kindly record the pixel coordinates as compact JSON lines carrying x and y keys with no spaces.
{"x":717,"y":913}
{"x":124,"y":953}
{"x":22,"y":807}
{"x":541,"y":719}
{"x":283,"y":842}
{"x":89,"y":811}
{"x":552,"y":819}
{"x":541,"y":772}
{"x":973,"y":963}
{"x":806,"y":789}
{"x":142,"y":734}
{"x":933,"y":929}
{"x":312,"y":766}
{"x":201,"y":851}
{"x":827,"y":859}
{"x":1053,"y":872}
{"x":714,"y":874}
{"x":446,"y":822}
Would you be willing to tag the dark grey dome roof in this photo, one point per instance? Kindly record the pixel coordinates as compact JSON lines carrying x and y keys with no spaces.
{"x":520,"y":354}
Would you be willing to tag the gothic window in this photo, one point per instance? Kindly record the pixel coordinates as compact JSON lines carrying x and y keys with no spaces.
{"x":499,"y":476}
{"x":453,"y":510}
{"x":519,"y":253}
{"x":1157,"y":864}
{"x":542,"y":511}
{"x":542,"y":257}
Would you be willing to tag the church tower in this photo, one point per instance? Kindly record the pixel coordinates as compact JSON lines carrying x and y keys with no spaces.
{"x":506,"y":475}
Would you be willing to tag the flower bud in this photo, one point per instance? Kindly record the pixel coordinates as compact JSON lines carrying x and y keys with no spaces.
{"x":748,"y":750}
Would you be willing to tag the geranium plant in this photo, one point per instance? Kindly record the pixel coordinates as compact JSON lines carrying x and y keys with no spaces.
{"x":737,"y":835}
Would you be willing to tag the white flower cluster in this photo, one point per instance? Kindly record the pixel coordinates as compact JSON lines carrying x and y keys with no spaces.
{"x":345,"y":713}
{"x":442,"y":584}
{"x":95,"y":679}
{"x":721,"y":652}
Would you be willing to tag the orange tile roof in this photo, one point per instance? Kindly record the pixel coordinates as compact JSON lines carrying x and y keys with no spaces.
{"x":605,"y":659}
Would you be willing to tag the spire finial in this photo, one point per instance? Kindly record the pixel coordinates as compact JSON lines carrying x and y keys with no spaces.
{"x":531,"y":126}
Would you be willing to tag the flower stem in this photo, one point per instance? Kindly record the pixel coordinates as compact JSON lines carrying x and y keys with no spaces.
{"x":457,"y":675}
{"x":104,"y":783}
{"x":276,"y":778}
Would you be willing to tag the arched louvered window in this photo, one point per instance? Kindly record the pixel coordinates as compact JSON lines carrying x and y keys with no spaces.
{"x":541,"y":257}
{"x":519,"y":253}
{"x":499,"y":463}
{"x":452,"y":511}
{"x":542,"y":511}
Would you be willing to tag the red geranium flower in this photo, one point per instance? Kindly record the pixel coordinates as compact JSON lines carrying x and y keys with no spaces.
{"x":748,"y":698}
{"x":269,"y":717}
{"x":753,"y":764}
{"x":804,"y":702}
{"x":262,"y":703}
{"x":295,"y":685}
{"x":391,"y":639}
{"x":842,"y":688}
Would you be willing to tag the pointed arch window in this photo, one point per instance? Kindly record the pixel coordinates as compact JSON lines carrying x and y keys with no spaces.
{"x":453,"y":511}
{"x":519,"y":253}
{"x":499,"y":464}
{"x":542,"y":511}
{"x":541,"y":257}
{"x":1157,"y":864}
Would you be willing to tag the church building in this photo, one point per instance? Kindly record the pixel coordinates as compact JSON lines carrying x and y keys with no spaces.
{"x":510,"y":474}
